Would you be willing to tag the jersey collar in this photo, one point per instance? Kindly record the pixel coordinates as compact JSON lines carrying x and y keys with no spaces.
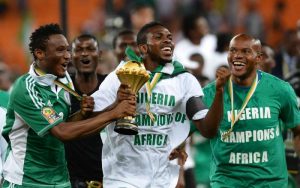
{"x":47,"y":79}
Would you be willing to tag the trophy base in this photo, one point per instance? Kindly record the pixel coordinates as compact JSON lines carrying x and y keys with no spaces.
{"x":126,"y":126}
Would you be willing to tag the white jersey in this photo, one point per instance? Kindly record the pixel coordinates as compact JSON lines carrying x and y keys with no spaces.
{"x":142,"y":160}
{"x":3,"y":143}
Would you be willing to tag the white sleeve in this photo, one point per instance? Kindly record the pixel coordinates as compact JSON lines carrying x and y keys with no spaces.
{"x":107,"y":92}
{"x":191,"y":86}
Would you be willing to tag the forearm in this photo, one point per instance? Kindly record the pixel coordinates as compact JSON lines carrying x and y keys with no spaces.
{"x":208,"y":126}
{"x":77,"y":116}
{"x":71,"y":130}
{"x":181,"y":181}
{"x":108,"y":108}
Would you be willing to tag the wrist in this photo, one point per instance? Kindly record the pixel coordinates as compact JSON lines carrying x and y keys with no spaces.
{"x":219,"y":91}
{"x":112,"y":114}
{"x":83,"y":114}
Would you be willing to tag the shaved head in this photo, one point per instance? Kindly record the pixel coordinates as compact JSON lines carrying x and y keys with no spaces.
{"x":256,"y":44}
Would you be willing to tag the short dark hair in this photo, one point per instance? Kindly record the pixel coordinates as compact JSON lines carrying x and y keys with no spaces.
{"x":86,"y":36}
{"x":39,"y":38}
{"x":141,"y":36}
{"x":121,"y":33}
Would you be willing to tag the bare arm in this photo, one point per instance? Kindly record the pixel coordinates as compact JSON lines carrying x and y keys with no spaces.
{"x":71,"y":130}
{"x":296,"y":139}
{"x":208,"y":126}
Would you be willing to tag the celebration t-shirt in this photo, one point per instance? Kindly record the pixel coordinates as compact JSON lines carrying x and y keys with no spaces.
{"x":253,"y":153}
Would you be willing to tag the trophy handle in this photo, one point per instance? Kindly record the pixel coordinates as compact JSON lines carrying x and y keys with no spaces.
{"x":126,"y":126}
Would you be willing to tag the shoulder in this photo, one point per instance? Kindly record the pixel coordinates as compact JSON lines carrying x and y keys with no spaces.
{"x":210,"y":87}
{"x":22,"y":84}
{"x":4,"y":94}
{"x":24,"y":88}
{"x":187,"y":78}
{"x":275,"y":83}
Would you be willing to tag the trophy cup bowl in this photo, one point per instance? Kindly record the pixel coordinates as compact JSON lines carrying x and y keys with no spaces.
{"x":134,"y":75}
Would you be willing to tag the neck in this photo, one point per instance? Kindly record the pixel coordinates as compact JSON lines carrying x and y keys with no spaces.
{"x":39,"y":67}
{"x":150,"y":65}
{"x":247,"y":81}
{"x":86,"y":83}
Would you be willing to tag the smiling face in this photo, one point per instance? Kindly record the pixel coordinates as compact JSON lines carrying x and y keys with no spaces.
{"x":159,"y":45}
{"x":56,"y":57}
{"x":122,"y":42}
{"x":242,"y":57}
{"x":85,"y":55}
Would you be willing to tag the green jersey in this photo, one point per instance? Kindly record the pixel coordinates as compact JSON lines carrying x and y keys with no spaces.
{"x":35,"y":157}
{"x":4,"y":98}
{"x":253,"y":154}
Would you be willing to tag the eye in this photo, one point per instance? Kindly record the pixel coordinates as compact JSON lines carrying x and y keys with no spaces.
{"x":78,"y":50}
{"x":91,"y":49}
{"x":247,"y":51}
{"x":232,"y":50}
{"x":157,"y":36}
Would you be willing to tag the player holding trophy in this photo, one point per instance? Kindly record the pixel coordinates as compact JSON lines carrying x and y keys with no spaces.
{"x":165,"y":105}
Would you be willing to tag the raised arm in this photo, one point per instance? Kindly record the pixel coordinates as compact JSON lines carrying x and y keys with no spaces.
{"x":208,"y":126}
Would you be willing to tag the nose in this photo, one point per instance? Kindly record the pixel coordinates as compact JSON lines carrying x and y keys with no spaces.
{"x":167,"y":40}
{"x":238,"y":54}
{"x":84,"y":52}
{"x":67,"y":55}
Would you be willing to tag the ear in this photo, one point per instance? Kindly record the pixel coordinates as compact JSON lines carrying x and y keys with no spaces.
{"x":258,"y":57}
{"x":100,"y":53}
{"x":143,"y":49}
{"x":40,"y":54}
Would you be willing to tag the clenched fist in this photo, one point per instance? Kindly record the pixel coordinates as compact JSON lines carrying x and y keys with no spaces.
{"x":86,"y":105}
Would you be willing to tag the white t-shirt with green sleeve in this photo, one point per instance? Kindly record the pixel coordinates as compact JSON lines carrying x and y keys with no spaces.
{"x":142,"y":160}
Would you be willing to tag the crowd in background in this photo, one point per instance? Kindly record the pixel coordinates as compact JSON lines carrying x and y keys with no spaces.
{"x":202,"y":30}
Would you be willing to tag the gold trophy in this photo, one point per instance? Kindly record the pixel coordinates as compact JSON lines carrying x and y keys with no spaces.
{"x":134,"y":75}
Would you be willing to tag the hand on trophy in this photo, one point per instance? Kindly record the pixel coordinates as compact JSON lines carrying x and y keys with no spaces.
{"x":86,"y":105}
{"x":124,"y":108}
{"x":133,"y":74}
{"x":125,"y":93}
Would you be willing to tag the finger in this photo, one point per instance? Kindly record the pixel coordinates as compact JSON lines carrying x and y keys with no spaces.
{"x":88,"y":103}
{"x":87,"y":110}
{"x":174,"y":155}
{"x":131,"y":102}
{"x":84,"y":96}
{"x":124,"y":87}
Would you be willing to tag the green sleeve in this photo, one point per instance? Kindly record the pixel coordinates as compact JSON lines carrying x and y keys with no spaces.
{"x":193,"y":128}
{"x":290,"y":111}
{"x":30,"y":106}
{"x":209,"y":94}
